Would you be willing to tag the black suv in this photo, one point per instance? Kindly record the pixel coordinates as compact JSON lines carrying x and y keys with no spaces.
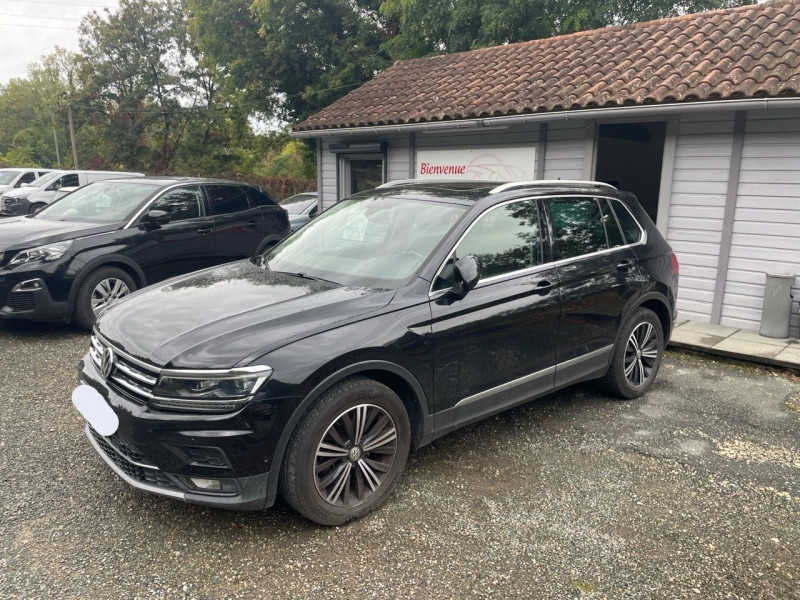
{"x":109,"y":238}
{"x":391,"y":319}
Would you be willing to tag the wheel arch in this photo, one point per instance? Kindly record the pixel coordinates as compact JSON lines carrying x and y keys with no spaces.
{"x":120,"y":262}
{"x":658,"y":304}
{"x":392,"y":375}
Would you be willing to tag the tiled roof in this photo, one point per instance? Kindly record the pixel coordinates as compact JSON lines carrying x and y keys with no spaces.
{"x":746,"y":52}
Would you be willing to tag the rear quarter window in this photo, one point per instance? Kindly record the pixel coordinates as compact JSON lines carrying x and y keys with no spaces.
{"x":631,"y":229}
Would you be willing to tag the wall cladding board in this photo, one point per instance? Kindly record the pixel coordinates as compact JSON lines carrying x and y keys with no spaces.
{"x":766,"y":231}
{"x":697,"y":204}
{"x":566,"y":150}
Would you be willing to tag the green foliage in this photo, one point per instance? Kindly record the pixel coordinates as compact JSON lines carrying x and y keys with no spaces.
{"x":444,"y":26}
{"x":177,"y":85}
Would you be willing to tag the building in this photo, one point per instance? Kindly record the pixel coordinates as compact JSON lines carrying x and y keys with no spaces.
{"x":699,"y":115}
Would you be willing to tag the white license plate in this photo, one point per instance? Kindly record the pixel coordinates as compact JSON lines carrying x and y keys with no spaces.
{"x":95,"y":409}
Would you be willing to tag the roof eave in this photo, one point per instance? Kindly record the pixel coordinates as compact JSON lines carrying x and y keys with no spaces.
{"x":616,"y":112}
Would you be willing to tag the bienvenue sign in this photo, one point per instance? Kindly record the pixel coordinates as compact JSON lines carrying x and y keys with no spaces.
{"x":496,"y":164}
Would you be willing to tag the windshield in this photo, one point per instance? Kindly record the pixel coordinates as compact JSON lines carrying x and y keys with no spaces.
{"x":294,"y":205}
{"x":104,"y":201}
{"x":367,"y":241}
{"x":46,"y":178}
{"x":7,"y":177}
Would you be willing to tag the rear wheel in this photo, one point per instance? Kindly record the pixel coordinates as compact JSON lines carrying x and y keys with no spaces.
{"x":102,"y":287}
{"x":637,"y":355}
{"x":347,"y":453}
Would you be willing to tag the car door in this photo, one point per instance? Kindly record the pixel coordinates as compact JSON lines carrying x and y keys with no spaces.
{"x":598,"y":275}
{"x":185,"y":243}
{"x":238,"y":226}
{"x":496,"y":346}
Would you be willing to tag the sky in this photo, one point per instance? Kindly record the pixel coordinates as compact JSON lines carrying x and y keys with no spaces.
{"x":30,"y":29}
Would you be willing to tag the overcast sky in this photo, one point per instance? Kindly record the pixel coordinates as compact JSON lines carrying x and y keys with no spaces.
{"x":30,"y":29}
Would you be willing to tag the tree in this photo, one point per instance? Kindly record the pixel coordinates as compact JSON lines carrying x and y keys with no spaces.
{"x":444,"y":26}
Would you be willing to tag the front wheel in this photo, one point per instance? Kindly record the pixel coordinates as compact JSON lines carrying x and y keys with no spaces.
{"x":101,"y":288}
{"x":36,"y":207}
{"x":347,"y":453}
{"x":637,"y":355}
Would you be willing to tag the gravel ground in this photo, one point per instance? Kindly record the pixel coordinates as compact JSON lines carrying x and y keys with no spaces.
{"x":690,"y":492}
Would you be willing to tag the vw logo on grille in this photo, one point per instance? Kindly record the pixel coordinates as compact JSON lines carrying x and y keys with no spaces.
{"x":107,"y":361}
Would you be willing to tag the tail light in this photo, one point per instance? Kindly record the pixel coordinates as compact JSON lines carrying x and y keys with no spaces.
{"x":675,"y":266}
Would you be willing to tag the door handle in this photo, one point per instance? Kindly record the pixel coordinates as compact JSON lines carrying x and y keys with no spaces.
{"x":625,"y":264}
{"x":543,"y":285}
{"x":204,"y":230}
{"x":251,"y":223}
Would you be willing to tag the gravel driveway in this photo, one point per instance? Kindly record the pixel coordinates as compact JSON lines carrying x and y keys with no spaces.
{"x":690,"y":492}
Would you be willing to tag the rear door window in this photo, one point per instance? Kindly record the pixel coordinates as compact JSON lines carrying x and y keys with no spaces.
{"x":226,"y":199}
{"x":258,"y":198}
{"x":578,"y":226}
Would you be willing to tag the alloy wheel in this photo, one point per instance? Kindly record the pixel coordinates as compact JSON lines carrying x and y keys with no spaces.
{"x":355,"y":455}
{"x":108,"y":291}
{"x":641,"y":354}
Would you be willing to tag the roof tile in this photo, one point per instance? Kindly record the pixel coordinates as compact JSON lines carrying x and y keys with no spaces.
{"x":747,"y":52}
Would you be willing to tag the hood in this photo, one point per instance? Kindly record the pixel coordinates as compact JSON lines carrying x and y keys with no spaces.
{"x":219,"y":317}
{"x":24,"y":232}
{"x":20,"y":191}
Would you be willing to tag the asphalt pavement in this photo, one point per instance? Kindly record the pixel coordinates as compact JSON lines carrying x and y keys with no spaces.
{"x":690,"y":492}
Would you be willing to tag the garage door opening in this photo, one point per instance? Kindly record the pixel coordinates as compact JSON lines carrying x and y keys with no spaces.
{"x":629,"y":157}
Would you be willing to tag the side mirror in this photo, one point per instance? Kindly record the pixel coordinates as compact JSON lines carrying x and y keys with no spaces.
{"x":19,"y":185}
{"x":466,"y":274}
{"x":155,"y":219}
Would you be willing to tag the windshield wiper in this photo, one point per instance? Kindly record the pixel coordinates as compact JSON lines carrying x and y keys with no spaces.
{"x":303,"y":276}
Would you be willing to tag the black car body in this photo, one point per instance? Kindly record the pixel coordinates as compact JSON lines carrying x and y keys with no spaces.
{"x":448,"y":353}
{"x":132,"y":231}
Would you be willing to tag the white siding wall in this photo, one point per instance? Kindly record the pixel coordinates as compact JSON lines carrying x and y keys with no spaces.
{"x":566,"y":149}
{"x":766,"y":230}
{"x":399,"y":158}
{"x":328,"y":172}
{"x":697,"y":206}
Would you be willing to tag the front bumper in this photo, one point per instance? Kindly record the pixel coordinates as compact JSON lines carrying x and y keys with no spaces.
{"x":14,"y":206}
{"x":252,"y":491}
{"x":31,"y":302}
{"x":159,"y":451}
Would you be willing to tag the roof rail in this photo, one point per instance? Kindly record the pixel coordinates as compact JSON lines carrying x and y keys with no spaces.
{"x":543,"y":182}
{"x":398,"y":182}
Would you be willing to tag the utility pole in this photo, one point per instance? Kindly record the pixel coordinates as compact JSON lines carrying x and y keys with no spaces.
{"x":72,"y":137}
{"x":55,"y":139}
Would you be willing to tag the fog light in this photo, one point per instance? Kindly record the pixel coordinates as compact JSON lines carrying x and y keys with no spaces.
{"x":212,"y":485}
{"x":28,"y":286}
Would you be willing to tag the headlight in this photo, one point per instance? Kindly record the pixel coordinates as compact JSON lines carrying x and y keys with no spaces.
{"x":208,"y":390}
{"x":46,"y":253}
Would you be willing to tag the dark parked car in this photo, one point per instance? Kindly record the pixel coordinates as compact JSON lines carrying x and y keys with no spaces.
{"x":109,"y":238}
{"x":391,"y":319}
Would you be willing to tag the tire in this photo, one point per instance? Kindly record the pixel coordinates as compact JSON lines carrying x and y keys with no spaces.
{"x":112,"y":282}
{"x":349,"y":477}
{"x":637,"y":356}
{"x":36,"y":206}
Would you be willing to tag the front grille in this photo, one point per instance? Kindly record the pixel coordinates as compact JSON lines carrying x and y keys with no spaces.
{"x":21,"y":301}
{"x":128,"y":375}
{"x":137,"y":472}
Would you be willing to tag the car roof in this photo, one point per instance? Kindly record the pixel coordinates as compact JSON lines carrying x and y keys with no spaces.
{"x":167,"y":180}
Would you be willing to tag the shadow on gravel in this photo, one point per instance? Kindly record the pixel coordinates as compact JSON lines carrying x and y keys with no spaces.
{"x":36,"y":330}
